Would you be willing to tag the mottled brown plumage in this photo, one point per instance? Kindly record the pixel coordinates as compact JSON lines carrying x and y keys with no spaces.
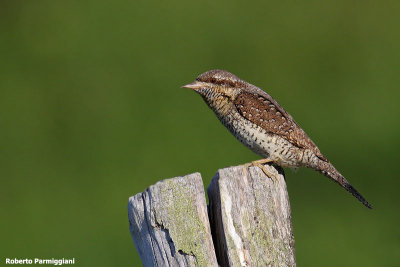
{"x":274,"y":119}
{"x":261,"y":124}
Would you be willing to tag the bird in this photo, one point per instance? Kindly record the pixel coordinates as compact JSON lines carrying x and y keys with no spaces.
{"x":262,"y":125}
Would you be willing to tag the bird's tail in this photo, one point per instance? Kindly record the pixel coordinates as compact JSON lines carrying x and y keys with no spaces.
{"x":327,"y":169}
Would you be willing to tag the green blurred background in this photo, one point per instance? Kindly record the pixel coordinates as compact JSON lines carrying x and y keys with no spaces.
{"x":91,"y":112}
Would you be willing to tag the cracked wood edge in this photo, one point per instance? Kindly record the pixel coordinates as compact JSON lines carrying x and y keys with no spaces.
{"x":250,"y":218}
{"x":169,"y":223}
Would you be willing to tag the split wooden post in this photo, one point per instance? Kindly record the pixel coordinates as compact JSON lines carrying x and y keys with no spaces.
{"x":249,"y":214}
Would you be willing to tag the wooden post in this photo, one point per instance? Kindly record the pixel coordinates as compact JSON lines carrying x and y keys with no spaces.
{"x":250,"y":218}
{"x":249,"y":214}
{"x":169,"y":224}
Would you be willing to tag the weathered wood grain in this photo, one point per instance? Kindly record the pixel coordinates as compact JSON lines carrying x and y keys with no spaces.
{"x":249,"y":214}
{"x":169,"y":224}
{"x":250,"y":218}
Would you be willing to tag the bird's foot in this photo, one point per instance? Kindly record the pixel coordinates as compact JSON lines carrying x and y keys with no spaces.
{"x":260,"y":164}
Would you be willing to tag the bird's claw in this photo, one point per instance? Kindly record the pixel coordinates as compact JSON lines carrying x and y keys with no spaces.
{"x":260,"y":164}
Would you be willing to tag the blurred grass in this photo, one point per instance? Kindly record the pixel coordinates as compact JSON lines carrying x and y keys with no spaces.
{"x":92,"y":112}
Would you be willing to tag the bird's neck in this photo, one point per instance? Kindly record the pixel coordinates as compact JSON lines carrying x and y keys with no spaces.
{"x":220,"y":104}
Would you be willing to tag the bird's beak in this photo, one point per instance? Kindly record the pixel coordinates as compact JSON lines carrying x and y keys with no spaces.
{"x":194,"y":85}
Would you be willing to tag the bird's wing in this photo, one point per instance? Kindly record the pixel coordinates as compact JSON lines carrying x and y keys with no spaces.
{"x":269,"y":115}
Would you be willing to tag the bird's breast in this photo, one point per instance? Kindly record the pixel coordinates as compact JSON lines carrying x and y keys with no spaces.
{"x":261,"y":142}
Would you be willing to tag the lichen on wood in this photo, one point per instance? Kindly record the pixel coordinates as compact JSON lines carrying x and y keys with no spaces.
{"x":249,"y":215}
{"x":169,"y":224}
{"x":250,"y":218}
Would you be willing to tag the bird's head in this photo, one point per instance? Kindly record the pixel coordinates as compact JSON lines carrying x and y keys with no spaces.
{"x":215,"y":84}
